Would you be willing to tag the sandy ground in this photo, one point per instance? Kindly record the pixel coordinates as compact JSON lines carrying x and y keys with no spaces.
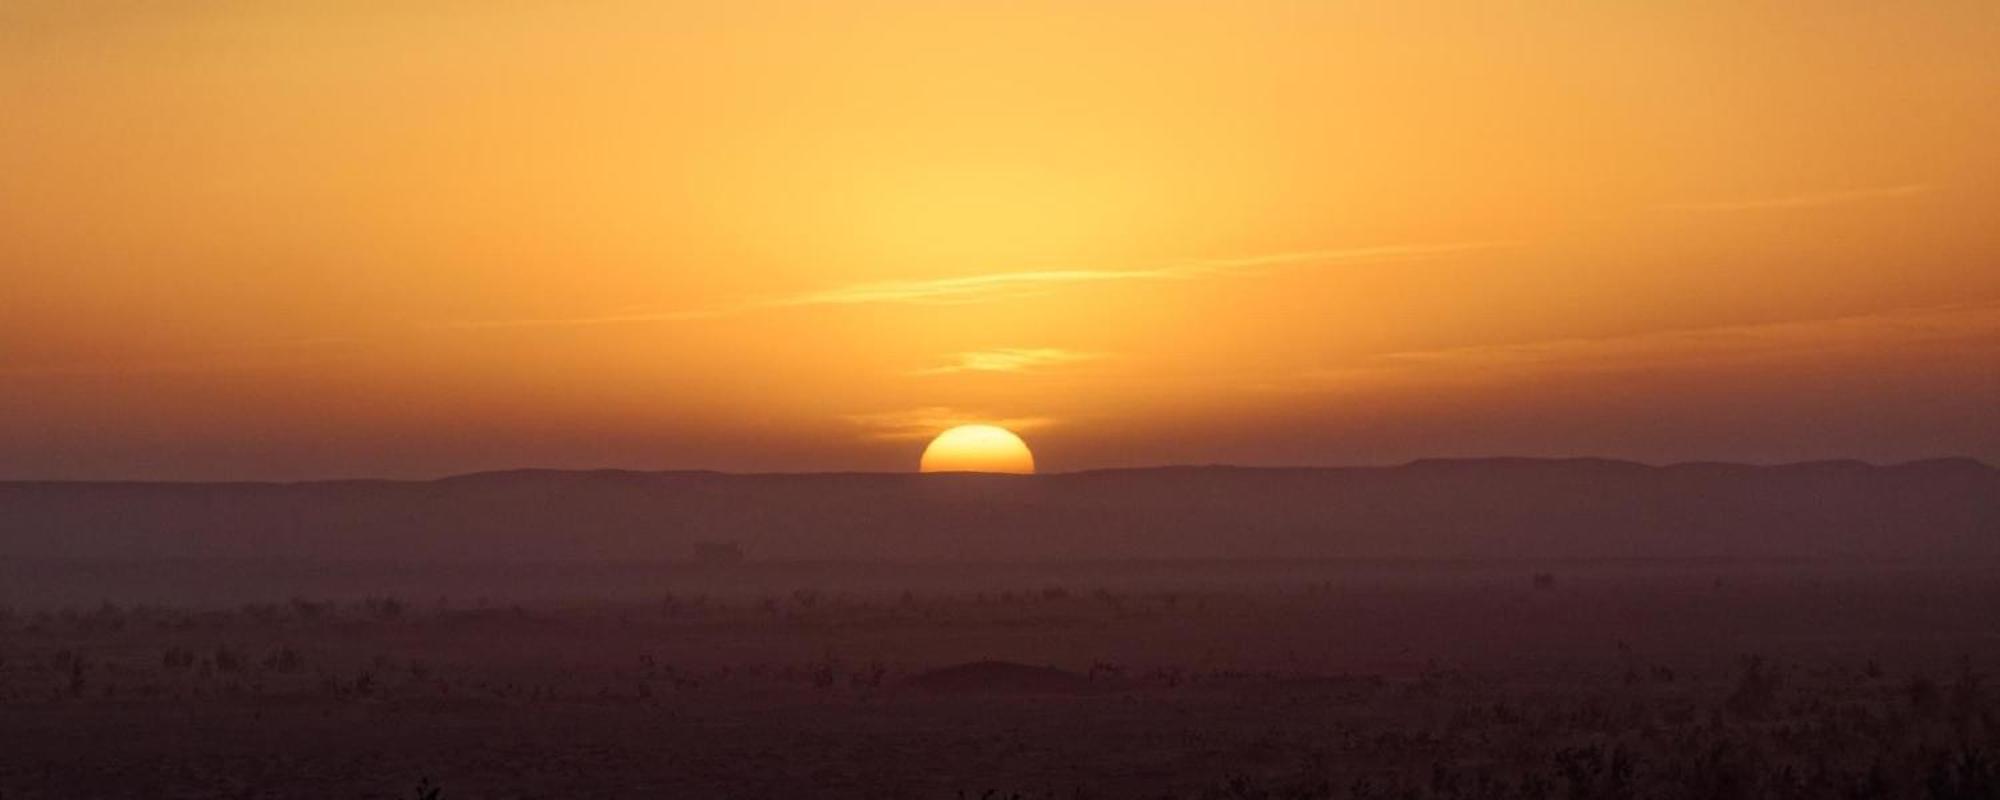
{"x":1346,"y":680}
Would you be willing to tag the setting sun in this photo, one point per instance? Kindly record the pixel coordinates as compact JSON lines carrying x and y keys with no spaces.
{"x":368,"y":362}
{"x":978,"y":448}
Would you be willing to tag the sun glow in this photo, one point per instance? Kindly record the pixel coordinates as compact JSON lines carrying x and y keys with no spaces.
{"x":1265,"y":232}
{"x":978,"y":448}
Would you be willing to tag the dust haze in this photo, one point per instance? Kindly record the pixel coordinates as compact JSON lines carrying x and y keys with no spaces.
{"x":1467,"y":629}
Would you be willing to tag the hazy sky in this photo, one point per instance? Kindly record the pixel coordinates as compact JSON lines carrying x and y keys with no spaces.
{"x":268,"y":239}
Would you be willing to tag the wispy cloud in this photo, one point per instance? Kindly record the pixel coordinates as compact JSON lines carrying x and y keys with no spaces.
{"x":616,"y":318}
{"x":1964,"y":328}
{"x":1807,"y":200}
{"x":1009,"y":359}
{"x":975,"y":288}
{"x":242,"y":357}
{"x":1005,"y":285}
{"x":929,"y":421}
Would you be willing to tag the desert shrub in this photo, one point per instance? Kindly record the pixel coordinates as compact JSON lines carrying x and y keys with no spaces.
{"x":1243,"y":787}
{"x":1967,"y":699}
{"x":77,"y":680}
{"x":871,"y":678}
{"x":106,"y":617}
{"x":284,"y":660}
{"x":384,"y":608}
{"x":1756,"y":692}
{"x":262,"y":613}
{"x":1593,"y":772}
{"x":1925,"y":697}
{"x":1966,"y":774}
{"x":308,"y":610}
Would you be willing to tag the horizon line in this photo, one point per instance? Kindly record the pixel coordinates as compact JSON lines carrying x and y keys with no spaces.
{"x":695,"y":471}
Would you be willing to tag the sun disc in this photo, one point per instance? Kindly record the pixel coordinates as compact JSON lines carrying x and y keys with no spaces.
{"x":978,"y":448}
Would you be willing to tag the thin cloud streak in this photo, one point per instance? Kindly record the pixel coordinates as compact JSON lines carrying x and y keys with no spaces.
{"x":606,"y":319}
{"x":243,"y":357}
{"x":1006,"y":285}
{"x":1810,"y":200}
{"x":917,"y":424}
{"x":1009,"y":359}
{"x":1964,"y":328}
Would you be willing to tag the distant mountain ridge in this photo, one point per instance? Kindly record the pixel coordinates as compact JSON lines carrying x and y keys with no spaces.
{"x":1432,"y":508}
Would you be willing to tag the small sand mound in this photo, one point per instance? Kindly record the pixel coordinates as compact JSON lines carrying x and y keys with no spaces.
{"x":998,"y":676}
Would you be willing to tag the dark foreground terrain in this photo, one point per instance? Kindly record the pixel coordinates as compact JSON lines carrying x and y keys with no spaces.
{"x":1432,"y":509}
{"x":1679,"y":679}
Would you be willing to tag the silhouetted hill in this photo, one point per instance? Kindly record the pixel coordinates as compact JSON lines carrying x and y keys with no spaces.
{"x":1432,"y":508}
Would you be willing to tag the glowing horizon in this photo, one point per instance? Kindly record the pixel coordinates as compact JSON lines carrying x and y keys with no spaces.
{"x":315,"y":239}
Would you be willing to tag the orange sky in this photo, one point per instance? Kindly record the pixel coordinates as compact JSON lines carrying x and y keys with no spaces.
{"x":305,"y":239}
